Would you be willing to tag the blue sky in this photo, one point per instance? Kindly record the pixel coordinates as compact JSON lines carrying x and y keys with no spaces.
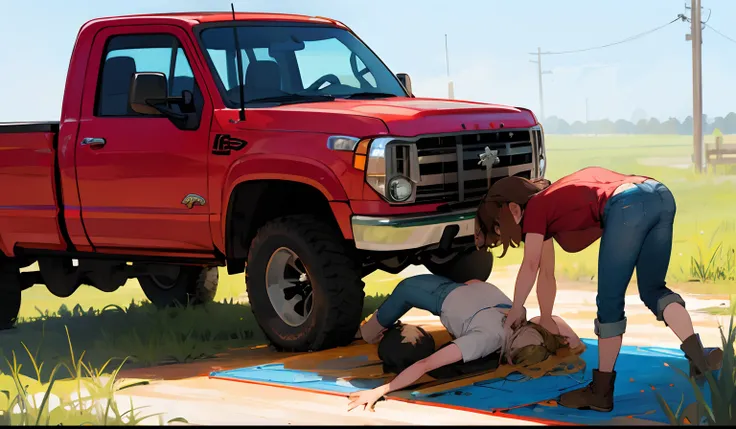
{"x":489,"y":43}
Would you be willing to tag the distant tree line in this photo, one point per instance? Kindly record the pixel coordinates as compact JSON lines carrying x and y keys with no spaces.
{"x":555,"y":125}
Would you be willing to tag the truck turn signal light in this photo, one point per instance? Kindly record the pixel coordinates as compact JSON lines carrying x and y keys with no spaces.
{"x":361,"y":152}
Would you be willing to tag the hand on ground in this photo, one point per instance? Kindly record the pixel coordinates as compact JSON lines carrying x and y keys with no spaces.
{"x":367,"y":398}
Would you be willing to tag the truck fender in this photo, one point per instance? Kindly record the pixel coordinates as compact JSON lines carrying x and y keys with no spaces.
{"x":284,"y":167}
{"x":280,"y":167}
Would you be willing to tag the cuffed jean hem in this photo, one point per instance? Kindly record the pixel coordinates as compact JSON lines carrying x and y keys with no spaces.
{"x":666,"y":300}
{"x":609,"y":330}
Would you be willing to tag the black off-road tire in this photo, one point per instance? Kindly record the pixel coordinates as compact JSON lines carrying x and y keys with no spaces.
{"x":334,"y":274}
{"x":194,"y":286}
{"x":10,"y":291}
{"x":468,"y":265}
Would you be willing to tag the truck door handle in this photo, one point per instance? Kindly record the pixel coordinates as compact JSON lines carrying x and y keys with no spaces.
{"x":93,"y":142}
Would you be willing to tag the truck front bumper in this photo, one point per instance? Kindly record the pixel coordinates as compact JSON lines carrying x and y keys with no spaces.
{"x":408,"y":231}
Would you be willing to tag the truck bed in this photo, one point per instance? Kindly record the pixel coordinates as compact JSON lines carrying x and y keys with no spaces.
{"x":28,"y":200}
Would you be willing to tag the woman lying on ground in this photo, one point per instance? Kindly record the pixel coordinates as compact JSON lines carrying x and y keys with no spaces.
{"x":634,"y":215}
{"x":473,"y":313}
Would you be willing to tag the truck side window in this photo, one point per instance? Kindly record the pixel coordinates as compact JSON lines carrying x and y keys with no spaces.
{"x":329,"y":56}
{"x":126,"y":55}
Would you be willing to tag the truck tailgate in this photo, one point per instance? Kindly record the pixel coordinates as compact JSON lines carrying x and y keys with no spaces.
{"x":28,"y":206}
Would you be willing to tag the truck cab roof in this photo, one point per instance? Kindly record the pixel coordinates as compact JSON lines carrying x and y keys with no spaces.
{"x":194,"y":18}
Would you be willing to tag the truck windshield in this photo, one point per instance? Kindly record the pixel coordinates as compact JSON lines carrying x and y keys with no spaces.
{"x":296,"y":64}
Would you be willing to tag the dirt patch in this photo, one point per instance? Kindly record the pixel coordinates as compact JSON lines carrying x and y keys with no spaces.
{"x":217,"y":402}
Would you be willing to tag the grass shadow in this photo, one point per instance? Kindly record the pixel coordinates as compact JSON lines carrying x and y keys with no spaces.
{"x":140,"y":332}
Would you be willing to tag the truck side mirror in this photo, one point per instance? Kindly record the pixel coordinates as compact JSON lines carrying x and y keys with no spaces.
{"x":147,"y":88}
{"x":406,"y":81}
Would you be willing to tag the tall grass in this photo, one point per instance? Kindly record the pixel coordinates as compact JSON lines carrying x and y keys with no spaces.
{"x":713,"y":260}
{"x":85,"y":397}
{"x":722,"y":409}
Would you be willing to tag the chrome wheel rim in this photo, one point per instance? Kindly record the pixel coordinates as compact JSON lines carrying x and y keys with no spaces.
{"x":289,"y":287}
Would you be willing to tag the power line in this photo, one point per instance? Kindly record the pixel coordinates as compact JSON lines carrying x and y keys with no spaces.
{"x":628,"y":39}
{"x":720,"y":34}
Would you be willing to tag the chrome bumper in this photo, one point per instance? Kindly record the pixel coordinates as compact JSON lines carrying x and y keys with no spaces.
{"x":408,"y":232}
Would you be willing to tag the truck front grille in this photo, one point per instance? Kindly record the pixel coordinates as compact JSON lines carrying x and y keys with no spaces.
{"x":449,"y":167}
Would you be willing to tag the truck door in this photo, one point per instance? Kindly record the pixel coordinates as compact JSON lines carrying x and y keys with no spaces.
{"x":142,"y":180}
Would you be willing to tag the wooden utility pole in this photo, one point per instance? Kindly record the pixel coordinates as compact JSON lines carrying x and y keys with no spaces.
{"x":696,"y":37}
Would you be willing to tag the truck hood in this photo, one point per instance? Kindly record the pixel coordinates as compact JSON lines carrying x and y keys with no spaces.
{"x":402,"y":116}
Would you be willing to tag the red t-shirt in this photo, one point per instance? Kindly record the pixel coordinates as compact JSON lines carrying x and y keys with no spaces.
{"x":570,"y":210}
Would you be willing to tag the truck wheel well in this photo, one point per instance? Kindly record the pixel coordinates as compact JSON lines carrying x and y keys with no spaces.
{"x":254,"y":203}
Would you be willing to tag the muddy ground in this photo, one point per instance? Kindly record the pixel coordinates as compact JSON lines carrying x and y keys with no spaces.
{"x":185,"y":391}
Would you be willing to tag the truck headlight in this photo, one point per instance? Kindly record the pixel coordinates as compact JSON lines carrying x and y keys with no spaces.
{"x":392,"y":168}
{"x":399,"y":189}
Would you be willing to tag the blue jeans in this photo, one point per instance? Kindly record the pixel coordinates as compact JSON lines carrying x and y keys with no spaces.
{"x":637,"y":233}
{"x":425,"y":291}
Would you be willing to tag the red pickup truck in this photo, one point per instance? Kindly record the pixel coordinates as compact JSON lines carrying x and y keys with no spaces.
{"x":280,"y":143}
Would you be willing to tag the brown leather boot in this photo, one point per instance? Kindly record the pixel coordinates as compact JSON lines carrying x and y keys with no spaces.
{"x":597,"y":396}
{"x":701,"y":360}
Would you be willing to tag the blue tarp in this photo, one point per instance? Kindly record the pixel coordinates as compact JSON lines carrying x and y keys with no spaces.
{"x":277,"y":374}
{"x":641,"y":373}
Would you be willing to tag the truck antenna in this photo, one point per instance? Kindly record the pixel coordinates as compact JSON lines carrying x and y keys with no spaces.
{"x":239,"y":57}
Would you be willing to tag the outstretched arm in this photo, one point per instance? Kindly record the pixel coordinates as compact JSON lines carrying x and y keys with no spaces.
{"x":442,"y":357}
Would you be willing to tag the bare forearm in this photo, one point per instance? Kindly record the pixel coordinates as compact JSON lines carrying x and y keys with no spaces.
{"x":546,"y":293}
{"x":524,"y":284}
{"x":442,"y":357}
{"x":546,"y":283}
{"x":404,"y":379}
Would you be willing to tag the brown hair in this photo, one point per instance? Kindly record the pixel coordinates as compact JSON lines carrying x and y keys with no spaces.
{"x":538,"y":345}
{"x":494,"y":211}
